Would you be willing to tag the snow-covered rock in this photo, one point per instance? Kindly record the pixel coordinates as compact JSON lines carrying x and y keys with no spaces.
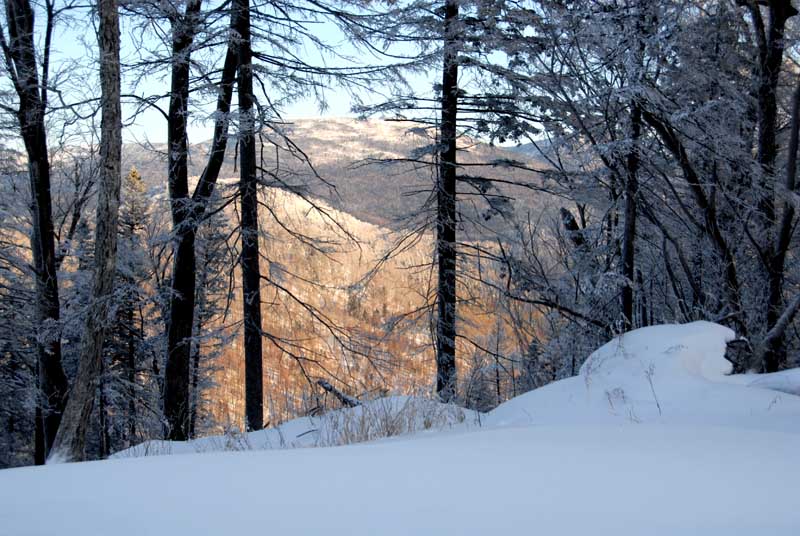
{"x":677,"y":350}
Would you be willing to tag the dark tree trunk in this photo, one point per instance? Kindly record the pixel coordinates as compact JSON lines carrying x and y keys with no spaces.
{"x":248,"y":191}
{"x":771,"y":44}
{"x":186,"y":213}
{"x":179,"y":332}
{"x":446,"y":213}
{"x":181,"y":310}
{"x":20,"y":56}
{"x":629,"y":231}
{"x":770,"y":59}
{"x":774,"y":357}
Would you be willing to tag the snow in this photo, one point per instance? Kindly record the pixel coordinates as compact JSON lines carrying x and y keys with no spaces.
{"x":375,"y":419}
{"x":652,"y":437}
{"x":669,"y":375}
{"x":785,"y":381}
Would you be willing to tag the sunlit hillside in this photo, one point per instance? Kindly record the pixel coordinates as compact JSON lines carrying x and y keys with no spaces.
{"x":340,"y":315}
{"x":348,"y":283}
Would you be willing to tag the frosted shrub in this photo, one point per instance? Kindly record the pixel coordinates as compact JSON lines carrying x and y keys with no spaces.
{"x":385,"y":417}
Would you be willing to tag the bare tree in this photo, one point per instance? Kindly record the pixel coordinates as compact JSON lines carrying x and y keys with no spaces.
{"x":187,"y":211}
{"x":21,"y":64}
{"x":248,"y":194}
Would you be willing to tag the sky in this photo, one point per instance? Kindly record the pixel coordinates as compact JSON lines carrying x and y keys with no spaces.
{"x":75,"y":41}
{"x":75,"y":51}
{"x":151,"y":125}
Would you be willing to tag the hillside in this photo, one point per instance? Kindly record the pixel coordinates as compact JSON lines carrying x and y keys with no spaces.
{"x":341,"y":313}
{"x":374,"y":333}
{"x":345,"y":153}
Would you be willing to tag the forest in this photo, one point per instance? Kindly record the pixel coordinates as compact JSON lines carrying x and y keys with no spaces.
{"x":194,"y":246}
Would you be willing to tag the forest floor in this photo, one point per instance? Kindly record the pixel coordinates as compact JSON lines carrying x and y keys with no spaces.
{"x":651,"y":438}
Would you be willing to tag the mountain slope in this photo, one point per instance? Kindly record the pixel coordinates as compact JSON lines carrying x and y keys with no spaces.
{"x":365,"y":162}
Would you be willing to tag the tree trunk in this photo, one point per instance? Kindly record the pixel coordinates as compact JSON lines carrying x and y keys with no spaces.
{"x":771,"y":45}
{"x":774,"y":357}
{"x":446,"y":214}
{"x":629,"y":231}
{"x":20,"y":53}
{"x":181,"y":310}
{"x":186,"y":213}
{"x":71,"y":438}
{"x":770,"y":60}
{"x":248,"y":191}
{"x":179,"y":332}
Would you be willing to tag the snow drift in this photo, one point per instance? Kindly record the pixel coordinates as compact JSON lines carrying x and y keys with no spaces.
{"x":652,"y":437}
{"x":669,"y":374}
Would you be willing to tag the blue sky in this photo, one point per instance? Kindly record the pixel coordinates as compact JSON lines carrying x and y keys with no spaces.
{"x":76,"y":42}
{"x":338,"y":103}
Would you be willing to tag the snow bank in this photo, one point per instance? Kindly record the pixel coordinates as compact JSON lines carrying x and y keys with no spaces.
{"x":674,"y":374}
{"x":785,"y":381}
{"x":375,"y":419}
{"x":677,"y":350}
{"x":652,"y":437}
{"x":565,"y":480}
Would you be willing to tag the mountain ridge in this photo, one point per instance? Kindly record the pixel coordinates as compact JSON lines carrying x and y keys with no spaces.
{"x":372,"y":169}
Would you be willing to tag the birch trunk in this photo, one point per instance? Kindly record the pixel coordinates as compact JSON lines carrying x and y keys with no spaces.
{"x":70,"y":441}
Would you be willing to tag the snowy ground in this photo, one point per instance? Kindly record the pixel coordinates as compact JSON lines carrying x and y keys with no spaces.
{"x":650,"y":439}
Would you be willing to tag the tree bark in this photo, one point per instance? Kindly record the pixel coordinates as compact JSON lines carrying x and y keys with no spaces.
{"x":629,"y":231}
{"x":770,"y":41}
{"x":20,"y":58}
{"x":186,"y":215}
{"x":771,"y":46}
{"x":446,"y":213}
{"x":71,"y":438}
{"x":774,"y":357}
{"x":248,"y":192}
{"x":179,"y":329}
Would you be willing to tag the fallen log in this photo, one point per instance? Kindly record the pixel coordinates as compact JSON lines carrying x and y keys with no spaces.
{"x":346,"y":400}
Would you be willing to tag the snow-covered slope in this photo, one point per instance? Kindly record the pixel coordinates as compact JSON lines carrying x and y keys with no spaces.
{"x":642,"y":480}
{"x":669,"y":374}
{"x":652,"y":438}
